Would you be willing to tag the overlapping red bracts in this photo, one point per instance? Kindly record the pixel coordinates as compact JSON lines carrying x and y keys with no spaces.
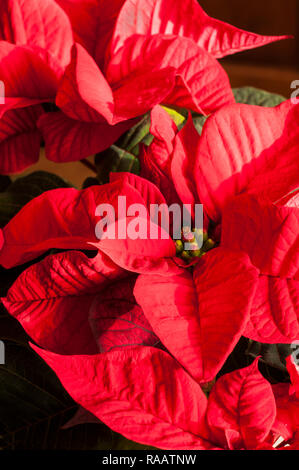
{"x":35,"y":44}
{"x":144,"y":393}
{"x":116,"y":72}
{"x":223,"y":277}
{"x":242,"y":149}
{"x":63,"y":300}
{"x":104,"y":320}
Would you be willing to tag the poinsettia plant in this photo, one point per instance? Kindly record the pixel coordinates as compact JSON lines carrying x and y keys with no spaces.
{"x":117,"y":325}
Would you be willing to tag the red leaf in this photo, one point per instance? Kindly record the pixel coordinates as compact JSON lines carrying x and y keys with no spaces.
{"x":69,"y":140}
{"x":156,"y":158}
{"x":92,"y":23}
{"x":84,"y":93}
{"x":16,"y":103}
{"x":52,"y":300}
{"x":69,"y":221}
{"x":201,"y":85}
{"x":268,"y":233}
{"x":19,"y":139}
{"x":186,"y":20}
{"x":126,"y":390}
{"x":274,"y":313}
{"x":144,"y":254}
{"x":148,"y":191}
{"x":242,"y":402}
{"x":223,"y":285}
{"x":183,"y":163}
{"x":244,"y":147}
{"x":25,"y":73}
{"x":37,"y":23}
{"x":116,"y":319}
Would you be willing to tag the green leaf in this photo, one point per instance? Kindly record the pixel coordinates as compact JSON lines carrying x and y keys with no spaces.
{"x":246,"y":95}
{"x":140,"y":133}
{"x":272,"y":359}
{"x":136,"y":135}
{"x":90,"y":181}
{"x":5,"y":181}
{"x":10,"y":328}
{"x":115,"y":159}
{"x":25,"y":188}
{"x":176,"y":116}
{"x":198,"y":121}
{"x":255,"y":96}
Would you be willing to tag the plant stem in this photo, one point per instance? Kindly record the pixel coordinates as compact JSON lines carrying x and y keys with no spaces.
{"x":89,"y":165}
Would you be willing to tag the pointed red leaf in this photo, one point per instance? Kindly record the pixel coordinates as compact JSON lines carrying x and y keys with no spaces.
{"x":223,"y":285}
{"x":247,"y":147}
{"x":155,"y":159}
{"x":69,"y":221}
{"x":287,"y":403}
{"x":274,"y":313}
{"x":126,"y":390}
{"x":137,"y":250}
{"x":52,"y":300}
{"x":148,"y":191}
{"x":185,"y":19}
{"x":183,"y":163}
{"x":243,"y":402}
{"x":84,"y":93}
{"x":269,"y":235}
{"x":201,"y":85}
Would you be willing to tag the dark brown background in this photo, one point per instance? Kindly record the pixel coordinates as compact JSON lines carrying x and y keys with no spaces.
{"x":271,"y":67}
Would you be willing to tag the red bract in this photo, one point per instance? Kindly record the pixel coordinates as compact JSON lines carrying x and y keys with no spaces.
{"x":36,"y":39}
{"x":144,"y":394}
{"x":56,"y":300}
{"x":36,"y":44}
{"x":287,"y":398}
{"x":130,"y":56}
{"x":74,"y":306}
{"x":242,"y":149}
{"x":223,"y":277}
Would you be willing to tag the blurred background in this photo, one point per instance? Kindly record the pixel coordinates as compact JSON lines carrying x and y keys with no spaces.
{"x":272,"y":67}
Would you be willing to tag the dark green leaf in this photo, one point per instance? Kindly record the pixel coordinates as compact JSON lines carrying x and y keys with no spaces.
{"x":272,"y":359}
{"x":115,"y":159}
{"x":198,"y":121}
{"x":90,"y":181}
{"x":23,"y":189}
{"x":136,"y":135}
{"x":5,"y":181}
{"x":255,"y":96}
{"x":271,"y":363}
{"x":140,"y":133}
